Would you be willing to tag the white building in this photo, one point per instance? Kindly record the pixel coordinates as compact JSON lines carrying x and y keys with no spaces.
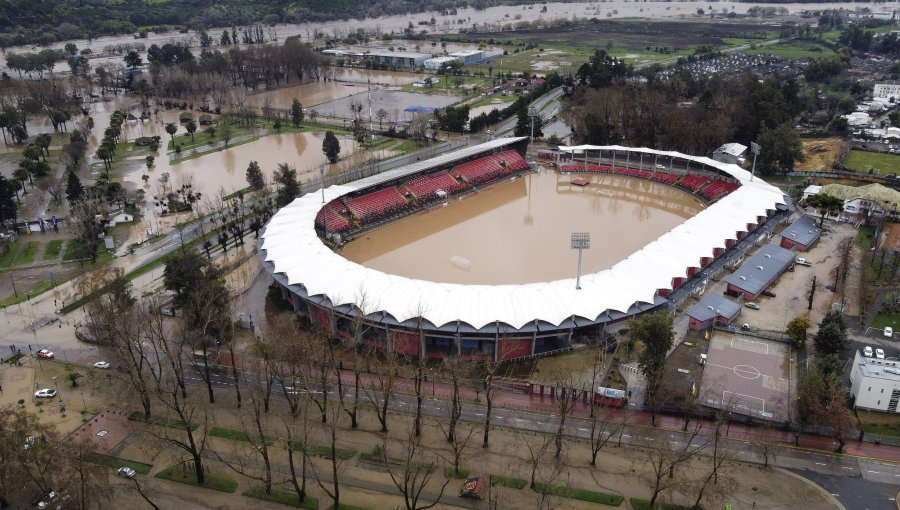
{"x":811,"y":190}
{"x":438,"y":62}
{"x":398,"y":58}
{"x":731,"y":153}
{"x":858,"y":119}
{"x":469,"y":57}
{"x":887,"y":91}
{"x":875,"y":383}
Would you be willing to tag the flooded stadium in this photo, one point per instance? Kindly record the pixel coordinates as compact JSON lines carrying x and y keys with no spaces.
{"x":518,"y":231}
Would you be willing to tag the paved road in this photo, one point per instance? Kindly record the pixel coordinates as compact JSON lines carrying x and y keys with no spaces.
{"x":855,"y":492}
{"x":540,"y":414}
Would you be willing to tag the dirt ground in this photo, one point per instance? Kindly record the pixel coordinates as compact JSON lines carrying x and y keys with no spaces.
{"x":791,"y":288}
{"x":893,"y":236}
{"x":819,"y":154}
{"x":621,"y":470}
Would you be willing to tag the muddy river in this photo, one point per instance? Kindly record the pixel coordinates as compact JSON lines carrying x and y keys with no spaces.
{"x":518,"y":231}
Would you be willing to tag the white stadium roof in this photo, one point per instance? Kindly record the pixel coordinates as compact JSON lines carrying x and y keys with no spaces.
{"x":292,"y":245}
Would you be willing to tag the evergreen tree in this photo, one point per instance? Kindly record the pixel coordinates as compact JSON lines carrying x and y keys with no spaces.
{"x":286,"y":180}
{"x":296,"y":113}
{"x":331,"y":147}
{"x":74,"y":189}
{"x":255,"y":177}
{"x":7,"y":201}
{"x":832,"y":335}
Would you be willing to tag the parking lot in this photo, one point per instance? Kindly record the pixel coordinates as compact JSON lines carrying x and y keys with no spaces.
{"x":792,"y":288}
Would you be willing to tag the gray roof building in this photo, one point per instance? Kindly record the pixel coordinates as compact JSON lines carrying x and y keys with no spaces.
{"x":757,"y":273}
{"x":803,"y":231}
{"x":712,"y":306}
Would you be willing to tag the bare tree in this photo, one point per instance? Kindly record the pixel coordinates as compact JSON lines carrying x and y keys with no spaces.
{"x":294,"y":443}
{"x":191,"y":420}
{"x":331,"y":485}
{"x":380,"y":387}
{"x":721,"y":455}
{"x":459,"y":443}
{"x":254,"y":425}
{"x":456,"y":369}
{"x":414,"y":471}
{"x":537,"y":446}
{"x":664,"y":455}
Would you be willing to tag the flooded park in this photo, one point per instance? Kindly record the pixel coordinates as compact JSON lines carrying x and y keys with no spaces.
{"x":518,"y":231}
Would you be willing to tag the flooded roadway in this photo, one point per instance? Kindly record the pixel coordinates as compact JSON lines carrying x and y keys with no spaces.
{"x":518,"y":231}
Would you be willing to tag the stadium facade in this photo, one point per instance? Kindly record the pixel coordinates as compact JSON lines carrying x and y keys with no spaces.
{"x":436,"y":320}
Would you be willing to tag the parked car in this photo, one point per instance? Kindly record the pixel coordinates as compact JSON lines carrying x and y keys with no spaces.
{"x":125,"y":472}
{"x":888,"y":331}
{"x":867,"y":351}
{"x":803,"y":262}
{"x":101,"y":364}
{"x":751,"y":305}
{"x":879,"y":353}
{"x":745,"y":327}
{"x":768,"y":292}
{"x":45,"y":354}
{"x":45,"y":393}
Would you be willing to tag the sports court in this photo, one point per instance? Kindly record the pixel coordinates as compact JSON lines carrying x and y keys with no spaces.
{"x":747,"y":375}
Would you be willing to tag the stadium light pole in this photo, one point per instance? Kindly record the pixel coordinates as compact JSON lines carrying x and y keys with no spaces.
{"x":324,"y":209}
{"x":532,"y":113}
{"x":580,"y":241}
{"x":322,"y":179}
{"x":755,"y":148}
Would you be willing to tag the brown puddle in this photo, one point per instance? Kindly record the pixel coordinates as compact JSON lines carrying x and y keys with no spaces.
{"x":518,"y":231}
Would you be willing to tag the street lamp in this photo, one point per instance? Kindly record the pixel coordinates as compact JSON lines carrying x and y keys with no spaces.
{"x":755,"y":148}
{"x":580,"y":241}
{"x":532,"y":113}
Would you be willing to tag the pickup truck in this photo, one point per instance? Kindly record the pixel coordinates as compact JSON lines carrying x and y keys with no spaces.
{"x":803,"y":262}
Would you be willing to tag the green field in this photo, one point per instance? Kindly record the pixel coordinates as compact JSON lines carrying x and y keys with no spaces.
{"x":285,"y":498}
{"x":881,"y":163}
{"x":53,"y":249}
{"x":188,"y":476}
{"x":886,"y":319}
{"x":793,"y":50}
{"x":26,"y":253}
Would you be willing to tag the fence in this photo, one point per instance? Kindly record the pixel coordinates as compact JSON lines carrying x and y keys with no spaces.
{"x":370,"y":169}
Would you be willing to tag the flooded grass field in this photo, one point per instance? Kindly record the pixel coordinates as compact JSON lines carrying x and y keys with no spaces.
{"x":518,"y":231}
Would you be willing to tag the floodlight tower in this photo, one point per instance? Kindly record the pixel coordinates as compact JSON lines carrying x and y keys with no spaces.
{"x":755,"y":148}
{"x":580,"y":241}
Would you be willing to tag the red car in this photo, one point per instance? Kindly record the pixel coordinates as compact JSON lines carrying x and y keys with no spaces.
{"x":45,"y":354}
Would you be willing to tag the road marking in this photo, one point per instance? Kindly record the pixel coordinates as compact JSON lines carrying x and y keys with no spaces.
{"x":845,"y":467}
{"x":875,"y":472}
{"x":625,"y":435}
{"x":583,"y":430}
{"x":479,"y":414}
{"x":820,"y":463}
{"x":649,"y":439}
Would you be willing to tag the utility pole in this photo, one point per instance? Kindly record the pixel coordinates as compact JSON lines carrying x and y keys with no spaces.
{"x":532,"y":113}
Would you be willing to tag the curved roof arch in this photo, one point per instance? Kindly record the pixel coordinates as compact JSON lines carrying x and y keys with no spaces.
{"x":291,"y":244}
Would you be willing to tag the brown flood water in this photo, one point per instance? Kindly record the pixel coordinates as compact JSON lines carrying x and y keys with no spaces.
{"x":518,"y":231}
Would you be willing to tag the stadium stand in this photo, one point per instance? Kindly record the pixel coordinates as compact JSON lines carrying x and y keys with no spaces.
{"x":426,"y":187}
{"x":718,"y":189}
{"x":707,"y":187}
{"x":377,"y":204}
{"x":489,"y":167}
{"x":694,"y":182}
{"x":337,"y":222}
